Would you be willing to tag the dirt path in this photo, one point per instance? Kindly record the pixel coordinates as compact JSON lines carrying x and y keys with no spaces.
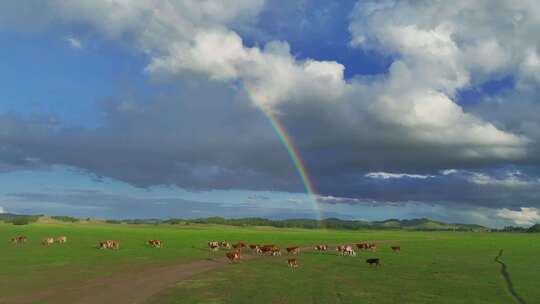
{"x":130,"y":287}
{"x":137,"y":289}
{"x":506,"y":276}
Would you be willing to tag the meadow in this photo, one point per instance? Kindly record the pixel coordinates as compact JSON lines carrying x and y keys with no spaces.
{"x":433,"y":267}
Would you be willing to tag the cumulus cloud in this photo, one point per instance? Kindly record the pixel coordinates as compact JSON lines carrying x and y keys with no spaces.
{"x":525,"y":216}
{"x":2,"y":210}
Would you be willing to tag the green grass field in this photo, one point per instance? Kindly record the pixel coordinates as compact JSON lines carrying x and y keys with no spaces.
{"x":433,"y":267}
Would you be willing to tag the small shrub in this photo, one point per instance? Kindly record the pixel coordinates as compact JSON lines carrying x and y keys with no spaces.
{"x":21,"y":220}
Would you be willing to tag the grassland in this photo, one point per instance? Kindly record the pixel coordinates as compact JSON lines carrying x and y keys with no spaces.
{"x":433,"y":267}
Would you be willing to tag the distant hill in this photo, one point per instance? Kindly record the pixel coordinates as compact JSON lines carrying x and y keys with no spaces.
{"x":534,"y":228}
{"x":426,"y":224}
{"x":334,"y":223}
{"x":422,"y":224}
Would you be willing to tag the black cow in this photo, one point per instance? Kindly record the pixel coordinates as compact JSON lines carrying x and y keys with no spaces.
{"x":375,"y":261}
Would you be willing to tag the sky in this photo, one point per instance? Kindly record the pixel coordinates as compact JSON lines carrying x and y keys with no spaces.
{"x":159,"y":109}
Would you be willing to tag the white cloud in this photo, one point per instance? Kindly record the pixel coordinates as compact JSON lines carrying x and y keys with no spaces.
{"x":182,"y":38}
{"x":387,"y":175}
{"x":329,"y":199}
{"x":449,"y":171}
{"x":73,"y":42}
{"x":526,"y":216}
{"x":510,"y":179}
{"x":2,"y":210}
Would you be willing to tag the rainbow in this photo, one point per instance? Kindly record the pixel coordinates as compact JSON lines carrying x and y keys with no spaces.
{"x":294,"y":154}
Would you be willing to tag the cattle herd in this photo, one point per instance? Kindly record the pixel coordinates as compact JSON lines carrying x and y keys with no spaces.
{"x":235,"y":255}
{"x":273,"y":250}
{"x":61,"y":240}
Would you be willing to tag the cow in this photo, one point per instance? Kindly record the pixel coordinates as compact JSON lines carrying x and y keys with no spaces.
{"x":47,"y":241}
{"x":293,"y":250}
{"x":293,"y":263}
{"x":362,"y":246}
{"x":239,"y":245}
{"x":268,"y":249}
{"x":321,"y":247}
{"x":115,"y":245}
{"x":233,"y":256}
{"x":345,"y":250}
{"x":276,"y":252}
{"x":19,"y":239}
{"x":255,"y":248}
{"x":373,"y":261}
{"x":109,"y":244}
{"x":61,"y":240}
{"x":155,"y":243}
{"x":372,"y":247}
{"x":224,"y":245}
{"x":213,"y":245}
{"x":396,"y":248}
{"x":348,"y":250}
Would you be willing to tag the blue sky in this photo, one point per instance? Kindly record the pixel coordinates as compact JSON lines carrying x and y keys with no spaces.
{"x":399,"y":109}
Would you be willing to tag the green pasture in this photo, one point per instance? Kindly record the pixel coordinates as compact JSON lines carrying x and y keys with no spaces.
{"x":433,"y":267}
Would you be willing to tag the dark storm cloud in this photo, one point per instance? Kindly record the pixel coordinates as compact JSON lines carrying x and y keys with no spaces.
{"x":209,"y":136}
{"x":492,"y":188}
{"x":203,"y":136}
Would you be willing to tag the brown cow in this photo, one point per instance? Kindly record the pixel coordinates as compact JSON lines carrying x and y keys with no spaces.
{"x":362,"y":245}
{"x":61,"y":240}
{"x":224,"y":245}
{"x":239,"y":245}
{"x":270,"y":250}
{"x":293,"y":263}
{"x":116,"y":244}
{"x":213,"y":245}
{"x":396,"y":248}
{"x":321,"y":247}
{"x":47,"y":241}
{"x":233,"y":256}
{"x":113,"y":244}
{"x":155,"y":243}
{"x":276,"y":251}
{"x":109,"y":244}
{"x":19,"y":239}
{"x":293,"y":250}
